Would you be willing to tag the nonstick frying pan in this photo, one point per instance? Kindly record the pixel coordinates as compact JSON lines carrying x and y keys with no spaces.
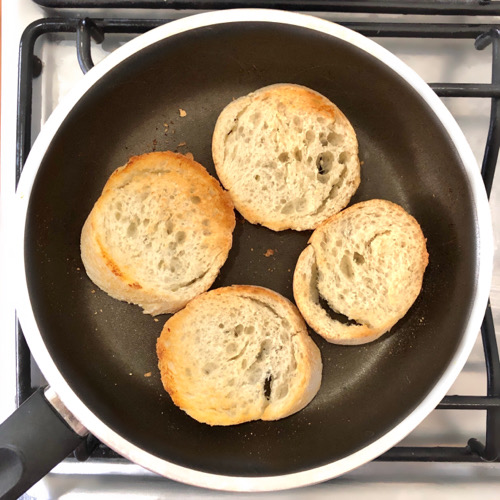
{"x":95,"y":351}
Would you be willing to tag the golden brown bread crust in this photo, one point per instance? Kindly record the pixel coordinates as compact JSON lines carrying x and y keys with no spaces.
{"x":174,"y":180}
{"x":207,"y":400}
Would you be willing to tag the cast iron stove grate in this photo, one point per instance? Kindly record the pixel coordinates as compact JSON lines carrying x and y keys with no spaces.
{"x":482,"y":35}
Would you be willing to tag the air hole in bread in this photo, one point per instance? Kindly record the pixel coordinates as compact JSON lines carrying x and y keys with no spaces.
{"x":161,"y":264}
{"x":323,"y":140}
{"x":285,"y":323}
{"x":249,"y":329}
{"x":267,"y":386}
{"x":335,"y":139}
{"x":205,"y":222}
{"x":257,"y":177}
{"x":132,"y":229}
{"x":283,"y":157}
{"x":254,"y":375}
{"x":195,"y":200}
{"x":297,"y":154}
{"x":221,"y":325}
{"x":145,"y":222}
{"x":343,"y":157}
{"x":341,"y":318}
{"x":346,"y":266}
{"x":238,"y":330}
{"x":266,"y":125}
{"x":300,"y":204}
{"x":209,"y":368}
{"x":180,"y":236}
{"x":320,"y":119}
{"x":324,"y":162}
{"x":255,"y":117}
{"x":169,"y":227}
{"x":281,"y":392}
{"x":281,"y":107}
{"x":265,"y":346}
{"x":310,"y":136}
{"x":309,"y":159}
{"x":358,"y":258}
{"x":118,"y":215}
{"x":231,"y":348}
{"x":288,"y":208}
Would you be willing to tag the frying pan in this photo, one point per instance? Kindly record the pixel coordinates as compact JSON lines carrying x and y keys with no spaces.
{"x":95,"y":351}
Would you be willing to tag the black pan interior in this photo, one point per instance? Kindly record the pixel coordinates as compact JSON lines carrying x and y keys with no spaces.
{"x":105,"y":349}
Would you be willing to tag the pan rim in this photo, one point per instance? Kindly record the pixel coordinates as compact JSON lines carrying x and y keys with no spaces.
{"x":183,"y":474}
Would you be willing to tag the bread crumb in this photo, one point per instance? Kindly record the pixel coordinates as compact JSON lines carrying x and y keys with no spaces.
{"x":181,"y":144}
{"x":130,"y":373}
{"x":148,"y":374}
{"x":269,"y":252}
{"x":289,"y":270}
{"x":361,"y":162}
{"x":189,"y":155}
{"x":156,"y":319}
{"x":182,"y":113}
{"x":92,"y":291}
{"x":77,"y":268}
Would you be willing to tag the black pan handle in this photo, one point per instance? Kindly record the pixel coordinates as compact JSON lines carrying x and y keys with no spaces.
{"x":33,"y":440}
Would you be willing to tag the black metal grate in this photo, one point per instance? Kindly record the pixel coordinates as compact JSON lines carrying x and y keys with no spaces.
{"x":482,"y":35}
{"x":439,"y":7}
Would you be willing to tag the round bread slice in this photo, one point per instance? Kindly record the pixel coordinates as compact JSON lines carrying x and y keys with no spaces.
{"x":287,"y":155}
{"x":159,"y":233}
{"x":237,"y":354}
{"x":361,"y":272}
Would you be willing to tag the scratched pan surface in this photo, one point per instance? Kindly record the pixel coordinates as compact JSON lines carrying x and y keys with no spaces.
{"x":103,"y":347}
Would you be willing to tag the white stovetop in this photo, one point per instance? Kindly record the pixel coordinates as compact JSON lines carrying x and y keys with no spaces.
{"x":444,"y":60}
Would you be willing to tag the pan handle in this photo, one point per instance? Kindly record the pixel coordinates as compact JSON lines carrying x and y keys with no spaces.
{"x":34,"y":439}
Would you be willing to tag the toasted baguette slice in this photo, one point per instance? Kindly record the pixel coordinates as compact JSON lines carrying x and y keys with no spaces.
{"x":159,"y":233}
{"x":287,"y":155}
{"x":367,"y":263}
{"x":237,"y":354}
